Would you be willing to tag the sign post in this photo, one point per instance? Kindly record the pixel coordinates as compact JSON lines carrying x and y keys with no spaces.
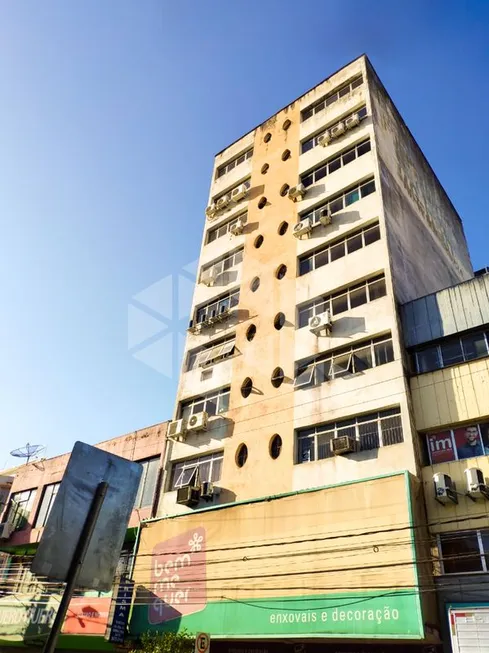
{"x":202,"y":643}
{"x":120,"y":616}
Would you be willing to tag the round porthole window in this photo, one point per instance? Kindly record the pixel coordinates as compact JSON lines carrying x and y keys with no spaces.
{"x":279,"y":321}
{"x":250,"y":332}
{"x":262,"y":203}
{"x":255,"y":284}
{"x":241,"y":455}
{"x":264,"y":168}
{"x":267,"y":138}
{"x":284,"y":190}
{"x":286,"y":124}
{"x":281,"y":271}
{"x":285,"y":155}
{"x":283,"y":228}
{"x":258,"y":241}
{"x":246,"y":387}
{"x":278,"y":377}
{"x":275,"y":446}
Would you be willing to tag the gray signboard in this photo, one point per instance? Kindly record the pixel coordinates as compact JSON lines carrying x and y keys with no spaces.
{"x":87,"y":467}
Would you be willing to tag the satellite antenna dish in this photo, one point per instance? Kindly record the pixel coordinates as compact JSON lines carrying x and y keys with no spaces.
{"x":28,"y":451}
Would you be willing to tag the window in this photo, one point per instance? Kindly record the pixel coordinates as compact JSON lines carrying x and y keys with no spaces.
{"x":331,"y":98}
{"x":284,"y":190}
{"x":341,"y":201}
{"x":335,"y":163}
{"x":250,"y":332}
{"x":223,"y":264}
{"x":229,"y":192}
{"x":217,"y":307}
{"x":281,"y":271}
{"x":213,"y":403}
{"x":48,"y":496}
{"x":267,"y":138}
{"x":464,"y":551}
{"x":339,"y":248}
{"x":264,"y":168}
{"x":255,"y":284}
{"x":279,"y":321}
{"x":278,"y":377}
{"x":209,"y":469}
{"x":258,"y":241}
{"x":275,"y":446}
{"x":379,"y":429}
{"x":282,"y":230}
{"x":246,"y":387}
{"x":212,"y":353}
{"x":147,"y":485}
{"x":20,"y":508}
{"x":343,"y":300}
{"x":347,"y":360}
{"x":262,"y":203}
{"x":241,"y":455}
{"x":310,"y":143}
{"x":458,"y":443}
{"x":285,"y":155}
{"x":451,"y":351}
{"x":223,"y":229}
{"x":227,"y":167}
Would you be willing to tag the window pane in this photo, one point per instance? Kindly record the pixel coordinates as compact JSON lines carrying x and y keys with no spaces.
{"x":305,"y":266}
{"x":333,"y":165}
{"x":323,"y":371}
{"x":216,"y":469}
{"x":352,"y":196}
{"x":391,"y":428}
{"x":358,"y":296}
{"x":307,"y":181}
{"x":363,"y":148}
{"x":339,"y":304}
{"x":211,"y":406}
{"x":331,"y":99}
{"x":337,"y":251}
{"x":341,"y":365}
{"x":324,"y":447}
{"x":362,"y":112}
{"x":460,"y":552}
{"x":369,"y":436}
{"x":474,"y":346}
{"x":348,"y":157}
{"x":307,"y":145}
{"x":427,"y":360}
{"x":304,"y":376}
{"x":227,"y":263}
{"x":306,"y":450}
{"x":322,"y":258}
{"x":384,"y":352}
{"x":319,"y":174}
{"x":205,"y":471}
{"x":336,"y":205}
{"x":357,"y":82}
{"x":376,"y":289}
{"x":485,"y":545}
{"x":212,"y":236}
{"x":238,"y":257}
{"x":198,"y":407}
{"x":224,"y":402}
{"x":306,"y":114}
{"x":150,"y":480}
{"x":304,"y":315}
{"x":367,"y":189}
{"x":451,"y":352}
{"x":354,"y":243}
{"x":371,"y":235}
{"x":186,"y":411}
{"x":362,"y":359}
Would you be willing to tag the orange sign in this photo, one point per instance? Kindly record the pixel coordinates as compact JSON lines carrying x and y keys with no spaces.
{"x":87,"y":616}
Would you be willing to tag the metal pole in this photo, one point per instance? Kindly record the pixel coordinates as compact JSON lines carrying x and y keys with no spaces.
{"x":75,"y":566}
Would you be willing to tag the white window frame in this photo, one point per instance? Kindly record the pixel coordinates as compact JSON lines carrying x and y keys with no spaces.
{"x":448,"y":340}
{"x":233,"y":163}
{"x":339,"y":155}
{"x":192,"y":464}
{"x":482,"y":553}
{"x":203,"y":399}
{"x":216,"y":304}
{"x":315,"y":214}
{"x":226,"y":226}
{"x":218,"y":265}
{"x":316,"y":106}
{"x":314,"y":140}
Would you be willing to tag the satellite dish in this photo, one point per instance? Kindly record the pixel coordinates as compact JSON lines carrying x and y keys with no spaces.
{"x":28,"y":451}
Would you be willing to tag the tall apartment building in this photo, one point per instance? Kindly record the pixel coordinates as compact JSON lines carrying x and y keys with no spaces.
{"x":294,"y":470}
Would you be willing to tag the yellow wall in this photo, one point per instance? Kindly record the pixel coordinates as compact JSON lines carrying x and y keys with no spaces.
{"x":453,"y":395}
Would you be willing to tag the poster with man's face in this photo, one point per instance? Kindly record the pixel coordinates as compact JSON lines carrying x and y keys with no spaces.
{"x":468,"y":442}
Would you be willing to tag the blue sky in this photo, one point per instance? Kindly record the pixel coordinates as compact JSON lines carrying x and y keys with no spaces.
{"x":111,"y":113}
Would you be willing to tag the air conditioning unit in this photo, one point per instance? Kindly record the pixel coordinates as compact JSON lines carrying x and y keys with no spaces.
{"x":352,"y":121}
{"x":444,"y":489}
{"x":325,"y":139}
{"x":177,"y":430}
{"x":237,"y":228}
{"x":343,"y":444}
{"x":188,"y":495}
{"x":338,"y":130}
{"x":211,"y":211}
{"x":207,"y":490}
{"x":6,"y":530}
{"x":208,"y":276}
{"x":222,"y":203}
{"x":296,"y":193}
{"x":223,"y":314}
{"x":302,"y":227}
{"x":194,"y":327}
{"x":239,"y":193}
{"x":320,"y":323}
{"x":476,"y":485}
{"x":325,"y":217}
{"x":198,"y":421}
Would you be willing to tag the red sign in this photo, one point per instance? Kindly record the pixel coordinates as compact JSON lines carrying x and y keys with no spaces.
{"x":178,"y":577}
{"x":440,"y":447}
{"x":87,"y":616}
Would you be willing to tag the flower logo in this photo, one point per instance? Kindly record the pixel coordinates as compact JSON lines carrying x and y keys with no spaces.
{"x":195,"y":543}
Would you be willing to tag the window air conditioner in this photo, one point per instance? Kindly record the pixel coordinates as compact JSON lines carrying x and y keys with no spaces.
{"x":188,"y":495}
{"x":211,"y":211}
{"x":207,"y":490}
{"x":325,"y":217}
{"x":296,"y":193}
{"x":476,"y":485}
{"x":302,"y":227}
{"x":222,"y":203}
{"x":237,"y":228}
{"x":198,"y":421}
{"x":177,"y":430}
{"x":208,"y":276}
{"x":444,"y":489}
{"x":338,"y":130}
{"x":6,"y":530}
{"x":352,"y":121}
{"x":343,"y":444}
{"x":320,"y":323}
{"x":239,"y":193}
{"x":325,"y":139}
